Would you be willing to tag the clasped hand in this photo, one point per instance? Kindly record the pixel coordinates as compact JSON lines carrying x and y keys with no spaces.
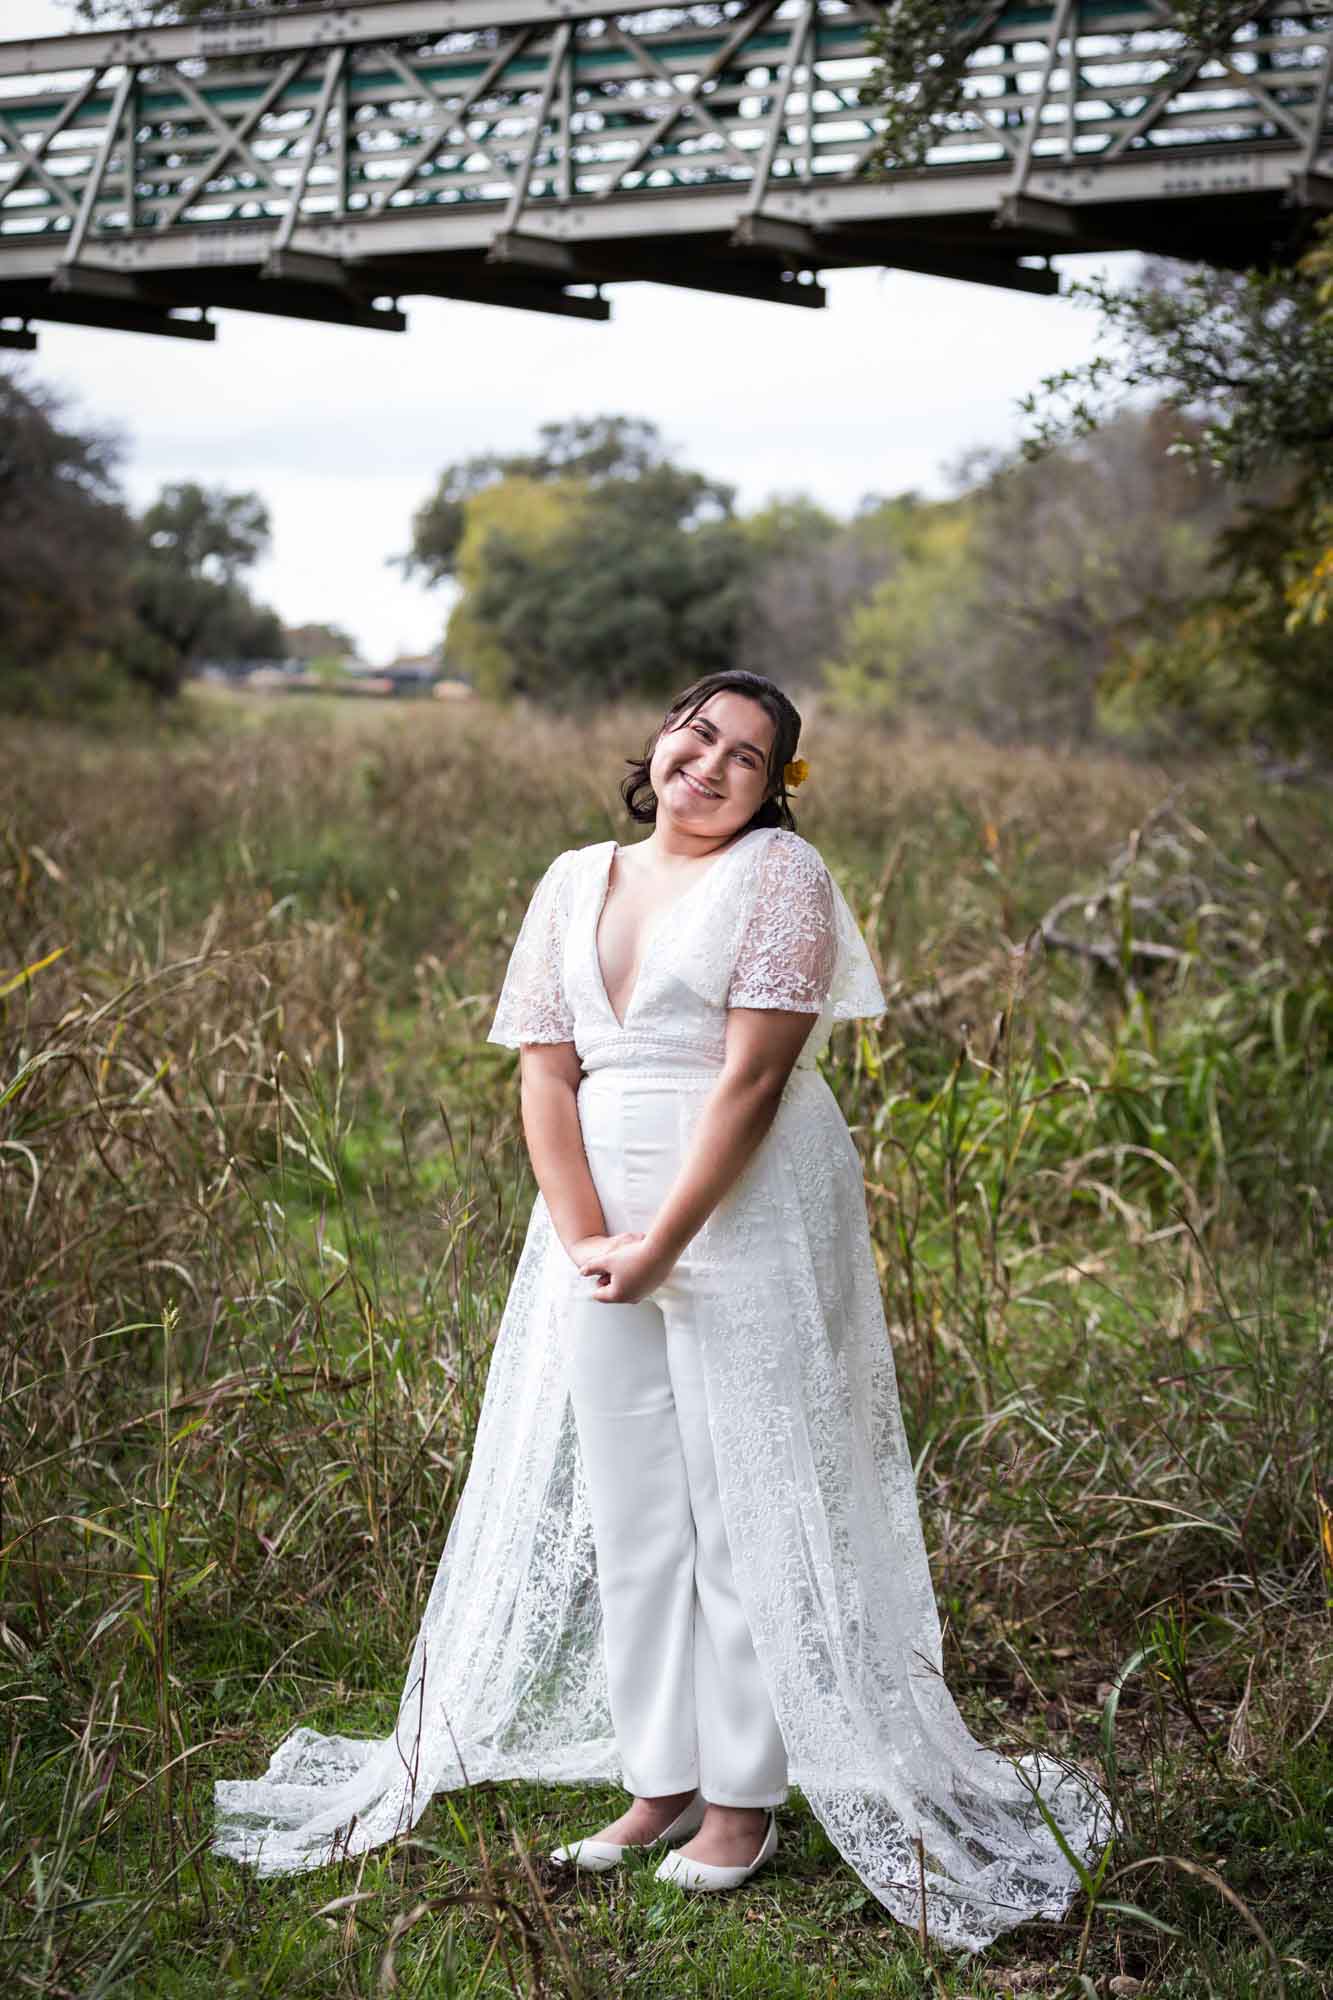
{"x":625,"y":1265}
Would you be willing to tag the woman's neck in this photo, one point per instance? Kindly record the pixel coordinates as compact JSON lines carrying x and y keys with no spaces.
{"x":668,"y":846}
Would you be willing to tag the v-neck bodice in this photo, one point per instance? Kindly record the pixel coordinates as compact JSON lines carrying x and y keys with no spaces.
{"x":667,"y":1026}
{"x":764,"y":926}
{"x":651,"y":925}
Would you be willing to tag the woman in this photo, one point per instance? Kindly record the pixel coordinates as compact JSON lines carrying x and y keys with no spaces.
{"x":688,"y":1553}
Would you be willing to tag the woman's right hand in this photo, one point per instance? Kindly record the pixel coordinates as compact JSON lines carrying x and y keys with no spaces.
{"x":589,"y":1248}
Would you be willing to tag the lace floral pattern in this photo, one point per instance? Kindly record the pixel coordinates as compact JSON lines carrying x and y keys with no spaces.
{"x":789,"y":947}
{"x":507,"y":1678}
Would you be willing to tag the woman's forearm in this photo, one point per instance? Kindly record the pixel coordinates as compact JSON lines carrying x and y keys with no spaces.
{"x":555,"y":1146}
{"x":737,"y":1115}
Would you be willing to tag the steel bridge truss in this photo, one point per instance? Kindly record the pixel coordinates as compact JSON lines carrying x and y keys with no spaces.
{"x":325,"y":161}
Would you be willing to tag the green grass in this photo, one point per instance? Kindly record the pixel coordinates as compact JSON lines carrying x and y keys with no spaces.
{"x":262,"y":1187}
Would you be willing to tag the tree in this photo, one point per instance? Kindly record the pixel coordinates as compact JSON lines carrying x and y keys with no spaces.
{"x":185,"y":584}
{"x":811,"y":570}
{"x":210,"y":533}
{"x":592,"y":565}
{"x":315,"y":641}
{"x":66,"y":541}
{"x":596,"y":451}
{"x":515,"y":520}
{"x":1012,"y":608}
{"x":1246,"y":362}
{"x":90,"y":596}
{"x":902,"y":647}
{"x":626,"y":598}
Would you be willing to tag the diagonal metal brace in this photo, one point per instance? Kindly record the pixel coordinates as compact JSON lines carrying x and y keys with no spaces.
{"x":93,"y":187}
{"x":32,"y":164}
{"x":332,"y":71}
{"x":685,"y":99}
{"x":518,"y":194}
{"x":232,"y":139}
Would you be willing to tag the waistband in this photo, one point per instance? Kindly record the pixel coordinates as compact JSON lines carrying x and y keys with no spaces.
{"x":626,"y":1074}
{"x":621,"y":1074}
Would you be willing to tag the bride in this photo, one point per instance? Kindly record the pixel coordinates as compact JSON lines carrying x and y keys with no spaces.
{"x":688,"y":1555}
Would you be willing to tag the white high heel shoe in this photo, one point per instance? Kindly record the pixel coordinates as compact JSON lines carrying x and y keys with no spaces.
{"x":679,"y":1868}
{"x":599,"y":1855}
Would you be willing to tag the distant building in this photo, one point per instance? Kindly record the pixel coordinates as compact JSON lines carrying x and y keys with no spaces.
{"x":413,"y":673}
{"x":409,"y":674}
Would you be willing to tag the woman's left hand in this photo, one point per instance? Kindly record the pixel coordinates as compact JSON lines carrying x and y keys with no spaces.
{"x":629,"y":1273}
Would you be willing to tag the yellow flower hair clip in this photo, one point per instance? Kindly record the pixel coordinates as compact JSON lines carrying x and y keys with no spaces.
{"x":795,"y":773}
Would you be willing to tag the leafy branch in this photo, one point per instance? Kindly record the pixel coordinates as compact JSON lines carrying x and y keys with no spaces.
{"x":920,"y":89}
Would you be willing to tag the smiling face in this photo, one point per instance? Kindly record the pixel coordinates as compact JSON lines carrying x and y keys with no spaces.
{"x":710,"y":773}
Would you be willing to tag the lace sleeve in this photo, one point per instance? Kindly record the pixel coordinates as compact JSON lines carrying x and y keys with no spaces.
{"x":789,"y":948}
{"x":533,"y":1006}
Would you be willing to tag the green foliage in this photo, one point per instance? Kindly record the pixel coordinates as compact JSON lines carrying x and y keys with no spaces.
{"x":809,"y":573}
{"x":213,"y":534}
{"x":316,"y":641}
{"x":900,"y":646}
{"x":515,"y":518}
{"x":94,"y":604}
{"x":593,"y":450}
{"x":1248,"y":355}
{"x":185,"y":583}
{"x":594,"y":566}
{"x":1008,"y":609}
{"x":1249,"y":662}
{"x":65,"y":541}
{"x":920,"y":87}
{"x":161,"y":13}
{"x":1248,"y":362}
{"x":788,"y":526}
{"x":919,"y":90}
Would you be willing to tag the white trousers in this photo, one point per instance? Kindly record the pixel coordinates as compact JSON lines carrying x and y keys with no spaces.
{"x":688,"y":1700}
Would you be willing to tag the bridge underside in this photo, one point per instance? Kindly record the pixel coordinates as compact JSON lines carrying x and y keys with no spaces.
{"x":483,"y":150}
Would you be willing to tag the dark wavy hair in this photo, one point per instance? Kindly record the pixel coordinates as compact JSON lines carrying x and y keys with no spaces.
{"x":636,"y":788}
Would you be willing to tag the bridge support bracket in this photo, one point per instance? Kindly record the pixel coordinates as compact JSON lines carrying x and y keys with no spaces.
{"x":773,"y":235}
{"x":520,"y":297}
{"x":96,"y":281}
{"x":120,"y":315}
{"x":1312,"y":190}
{"x":307,"y":267}
{"x":1043,"y":218}
{"x":533,"y":253}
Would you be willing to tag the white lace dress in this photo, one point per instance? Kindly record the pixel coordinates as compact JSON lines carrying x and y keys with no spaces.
{"x":507,"y":1677}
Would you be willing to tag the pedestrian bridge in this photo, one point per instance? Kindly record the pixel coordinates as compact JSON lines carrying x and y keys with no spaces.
{"x":326,"y":162}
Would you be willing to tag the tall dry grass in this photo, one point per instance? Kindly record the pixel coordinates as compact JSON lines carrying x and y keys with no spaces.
{"x":261,"y":1187}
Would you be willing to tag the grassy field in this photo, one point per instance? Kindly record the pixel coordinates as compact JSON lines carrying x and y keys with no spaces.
{"x":262,"y":1185}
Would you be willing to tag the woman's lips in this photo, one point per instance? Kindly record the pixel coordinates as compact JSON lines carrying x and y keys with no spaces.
{"x":695,"y":786}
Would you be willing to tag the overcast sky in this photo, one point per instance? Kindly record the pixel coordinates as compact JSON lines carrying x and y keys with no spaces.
{"x":343,"y":431}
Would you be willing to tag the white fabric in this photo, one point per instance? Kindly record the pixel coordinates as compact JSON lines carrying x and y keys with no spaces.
{"x":815,"y":1480}
{"x":688,"y":1701}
